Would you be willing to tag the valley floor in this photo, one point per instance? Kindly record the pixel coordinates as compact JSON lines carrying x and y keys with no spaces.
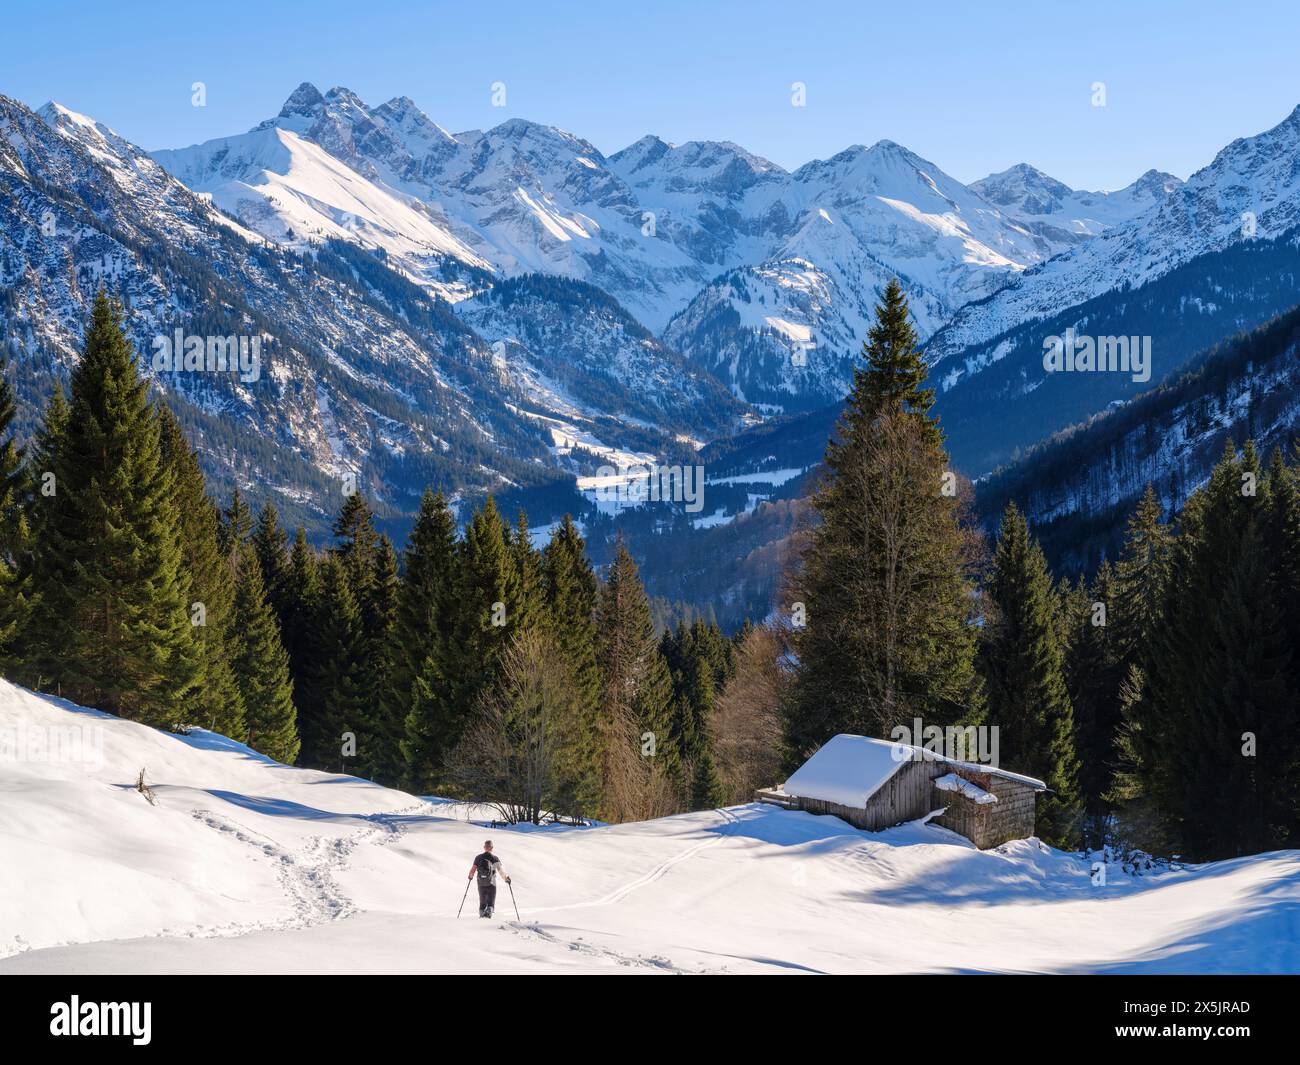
{"x":245,"y":865}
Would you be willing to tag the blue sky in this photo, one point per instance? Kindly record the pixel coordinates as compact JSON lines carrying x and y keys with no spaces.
{"x":974,"y":88}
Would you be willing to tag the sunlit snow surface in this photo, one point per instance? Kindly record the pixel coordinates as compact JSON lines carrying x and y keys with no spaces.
{"x":245,"y":865}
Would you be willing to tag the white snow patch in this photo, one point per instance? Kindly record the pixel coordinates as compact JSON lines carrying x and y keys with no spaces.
{"x":972,"y":791}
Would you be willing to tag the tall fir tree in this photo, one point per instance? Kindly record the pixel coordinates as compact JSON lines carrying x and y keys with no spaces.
{"x":1020,"y":658}
{"x":570,"y":592}
{"x":271,"y":545}
{"x":699,"y":661}
{"x":39,"y":486}
{"x":636,"y":683}
{"x":426,"y":623}
{"x":335,"y":700}
{"x":261,"y":666}
{"x":895,"y":369}
{"x":529,"y":603}
{"x":888,"y":633}
{"x":236,"y":526}
{"x":1094,"y":674}
{"x":354,"y":529}
{"x":383,"y":761}
{"x":1140,"y":578}
{"x":488,"y":589}
{"x":208,"y":582}
{"x":112,"y":623}
{"x":1141,"y":584}
{"x":1206,"y":750}
{"x":301,"y":600}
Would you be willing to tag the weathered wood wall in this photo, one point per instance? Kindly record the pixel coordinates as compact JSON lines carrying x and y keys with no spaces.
{"x":994,"y":823}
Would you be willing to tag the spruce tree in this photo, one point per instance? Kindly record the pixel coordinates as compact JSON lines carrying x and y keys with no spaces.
{"x":1140,"y":581}
{"x":570,"y":588}
{"x":636,"y":682}
{"x":895,"y":369}
{"x":1279,"y":765}
{"x":208,"y":587}
{"x":487,"y":590}
{"x":698,"y":661}
{"x":302,"y":589}
{"x":885,"y":601}
{"x":261,"y":666}
{"x":357,"y":543}
{"x":384,"y":725}
{"x":39,"y":486}
{"x":707,"y":791}
{"x":1094,"y":675}
{"x":1206,"y":754}
{"x":425,"y":628}
{"x":112,"y":620}
{"x":236,"y":526}
{"x":270,"y":544}
{"x":301,"y":602}
{"x":1141,"y":585}
{"x":336,"y":699}
{"x":529,"y":602}
{"x":1020,"y":658}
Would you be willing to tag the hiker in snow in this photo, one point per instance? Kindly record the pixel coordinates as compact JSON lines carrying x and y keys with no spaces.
{"x":485,"y":867}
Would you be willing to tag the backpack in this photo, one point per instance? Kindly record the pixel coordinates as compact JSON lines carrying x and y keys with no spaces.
{"x":486,"y":869}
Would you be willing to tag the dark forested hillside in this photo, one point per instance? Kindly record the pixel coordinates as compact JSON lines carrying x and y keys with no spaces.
{"x":1079,"y":487}
{"x":1184,"y":312}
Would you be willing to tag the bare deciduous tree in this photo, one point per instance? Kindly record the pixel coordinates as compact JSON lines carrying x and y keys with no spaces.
{"x":747,"y":718}
{"x":637,"y":786}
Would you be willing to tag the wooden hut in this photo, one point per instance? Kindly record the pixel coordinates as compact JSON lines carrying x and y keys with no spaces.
{"x":875,"y":784}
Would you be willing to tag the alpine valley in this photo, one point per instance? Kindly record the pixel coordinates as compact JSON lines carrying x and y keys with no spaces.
{"x":512,"y":312}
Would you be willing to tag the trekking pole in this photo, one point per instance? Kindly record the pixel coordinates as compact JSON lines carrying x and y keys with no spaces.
{"x":463,"y":898}
{"x":512,"y":900}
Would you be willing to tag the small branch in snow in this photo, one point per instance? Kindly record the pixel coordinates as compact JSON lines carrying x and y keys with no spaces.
{"x":144,"y":789}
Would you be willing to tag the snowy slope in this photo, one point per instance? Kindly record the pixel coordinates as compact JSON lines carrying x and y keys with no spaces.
{"x":248,"y":866}
{"x":293,"y":191}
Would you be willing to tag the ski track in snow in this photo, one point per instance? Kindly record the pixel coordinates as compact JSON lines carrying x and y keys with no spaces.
{"x":655,"y":962}
{"x":306,"y":876}
{"x":307,"y":879}
{"x":619,"y":894}
{"x":578,"y":945}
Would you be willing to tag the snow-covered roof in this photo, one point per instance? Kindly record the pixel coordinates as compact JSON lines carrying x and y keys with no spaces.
{"x":848,"y":770}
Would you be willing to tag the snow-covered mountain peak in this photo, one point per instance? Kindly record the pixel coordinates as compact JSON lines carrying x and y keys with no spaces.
{"x":641,"y":153}
{"x":539,"y":143}
{"x":305,"y":101}
{"x":885,"y":169}
{"x":1155,"y":183}
{"x":1024,"y":188}
{"x":79,"y":127}
{"x":654,"y":224}
{"x":681,"y":175}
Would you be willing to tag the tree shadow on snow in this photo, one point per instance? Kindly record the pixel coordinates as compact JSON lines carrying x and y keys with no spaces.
{"x":1261,"y":934}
